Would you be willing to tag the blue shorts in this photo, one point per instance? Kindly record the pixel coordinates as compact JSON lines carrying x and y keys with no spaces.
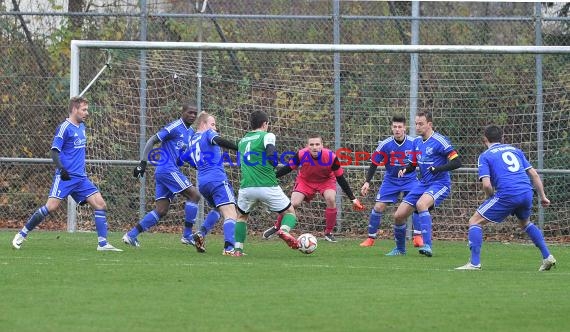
{"x":79,"y":188}
{"x":439,"y":192}
{"x":496,"y":209}
{"x":218,"y":193}
{"x":170,"y":184}
{"x":390,"y":190}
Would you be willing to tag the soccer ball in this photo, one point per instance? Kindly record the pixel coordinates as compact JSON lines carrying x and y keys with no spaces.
{"x":307,"y":243}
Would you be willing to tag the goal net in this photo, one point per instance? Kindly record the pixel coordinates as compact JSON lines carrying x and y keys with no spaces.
{"x":348,"y":98}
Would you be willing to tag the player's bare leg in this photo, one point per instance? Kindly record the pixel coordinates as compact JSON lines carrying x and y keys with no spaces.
{"x":297,"y":199}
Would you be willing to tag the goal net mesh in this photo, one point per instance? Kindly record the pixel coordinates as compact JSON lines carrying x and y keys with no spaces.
{"x":464,"y":92}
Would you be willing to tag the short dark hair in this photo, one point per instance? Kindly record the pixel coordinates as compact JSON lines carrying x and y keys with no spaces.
{"x":314,"y":134}
{"x":427,"y":115}
{"x":189,"y":107}
{"x":257,"y":118}
{"x":76,"y":101}
{"x":493,"y":133}
{"x":398,"y":118}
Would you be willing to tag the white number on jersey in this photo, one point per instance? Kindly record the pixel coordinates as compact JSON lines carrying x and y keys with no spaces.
{"x":247,"y":148}
{"x":195,"y":155}
{"x":511,"y":160}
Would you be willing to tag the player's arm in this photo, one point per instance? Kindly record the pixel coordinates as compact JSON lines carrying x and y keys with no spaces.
{"x":185,"y":155}
{"x":537,"y":182}
{"x":369,"y":175}
{"x":282,"y":171}
{"x":57,"y":161}
{"x":56,"y":146}
{"x":270,"y":149}
{"x":454,"y":162}
{"x":409,"y":168}
{"x":487,"y":186}
{"x":140,"y":169}
{"x":341,"y":180}
{"x":224,"y":143}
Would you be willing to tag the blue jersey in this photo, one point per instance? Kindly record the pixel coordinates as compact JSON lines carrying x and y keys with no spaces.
{"x":394,"y":156}
{"x":435,"y":151}
{"x":70,"y":140}
{"x":207,"y":156}
{"x":506,"y":167}
{"x":173,"y":137}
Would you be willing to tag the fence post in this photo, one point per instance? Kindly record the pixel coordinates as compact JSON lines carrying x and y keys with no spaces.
{"x":539,"y":100}
{"x":336,"y":66}
{"x":73,"y":91}
{"x":414,"y":78}
{"x":142,"y":103}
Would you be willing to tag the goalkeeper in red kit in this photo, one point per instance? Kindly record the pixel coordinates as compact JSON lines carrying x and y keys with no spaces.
{"x":318,"y":171}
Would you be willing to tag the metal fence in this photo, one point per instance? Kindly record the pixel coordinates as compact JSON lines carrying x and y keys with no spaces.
{"x":34,"y":66}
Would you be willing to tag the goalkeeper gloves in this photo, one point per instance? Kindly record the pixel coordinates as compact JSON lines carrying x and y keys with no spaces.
{"x":64,"y":174}
{"x":357,"y":206}
{"x":432,"y":170}
{"x":138,"y":172}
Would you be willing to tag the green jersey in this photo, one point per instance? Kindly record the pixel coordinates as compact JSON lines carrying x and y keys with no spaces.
{"x":256,"y":169}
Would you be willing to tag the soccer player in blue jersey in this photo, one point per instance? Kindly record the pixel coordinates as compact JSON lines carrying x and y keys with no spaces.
{"x":435,"y":156}
{"x":68,"y":154}
{"x":504,"y":172}
{"x":393,"y":153}
{"x":205,"y":153}
{"x":169,"y":180}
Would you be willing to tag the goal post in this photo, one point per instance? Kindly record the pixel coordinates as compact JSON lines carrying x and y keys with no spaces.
{"x":465,"y":87}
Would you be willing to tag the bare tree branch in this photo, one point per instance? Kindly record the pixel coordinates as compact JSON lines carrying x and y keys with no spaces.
{"x":30,"y":39}
{"x":76,"y":6}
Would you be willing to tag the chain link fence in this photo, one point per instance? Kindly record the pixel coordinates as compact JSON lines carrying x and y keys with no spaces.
{"x":34,"y":90}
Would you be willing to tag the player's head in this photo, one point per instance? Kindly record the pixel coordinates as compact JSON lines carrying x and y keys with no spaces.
{"x":424,"y":124}
{"x":78,"y":109}
{"x":398,"y":126}
{"x":493,"y":134}
{"x":315,"y":144}
{"x":189,"y":112}
{"x":258,"y":120}
{"x":206,"y":121}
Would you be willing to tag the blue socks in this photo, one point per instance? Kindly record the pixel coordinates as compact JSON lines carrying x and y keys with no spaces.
{"x":34,"y":220}
{"x":187,"y":232}
{"x":149,"y":220}
{"x":229,"y":229}
{"x":210,"y":221}
{"x":476,"y":241}
{"x":400,"y":237}
{"x":475,"y":237}
{"x":425,"y":222}
{"x":190,"y":213}
{"x":537,"y":238}
{"x":416,"y":224}
{"x":101,"y":226}
{"x":374,"y":223}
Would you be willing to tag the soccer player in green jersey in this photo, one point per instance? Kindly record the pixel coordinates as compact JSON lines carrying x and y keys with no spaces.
{"x":257,"y":156}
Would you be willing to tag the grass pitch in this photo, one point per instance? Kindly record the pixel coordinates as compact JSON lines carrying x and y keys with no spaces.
{"x":59,"y":282}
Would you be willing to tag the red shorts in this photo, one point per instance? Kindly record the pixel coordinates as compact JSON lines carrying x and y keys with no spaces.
{"x":309,"y":189}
